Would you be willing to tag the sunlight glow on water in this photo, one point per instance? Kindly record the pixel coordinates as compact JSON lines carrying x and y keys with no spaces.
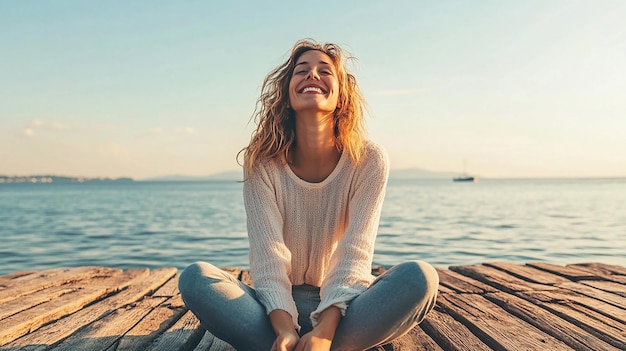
{"x":156,"y":224}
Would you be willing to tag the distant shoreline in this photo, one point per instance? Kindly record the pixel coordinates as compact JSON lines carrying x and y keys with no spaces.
{"x":236,"y":177}
{"x":32,"y":179}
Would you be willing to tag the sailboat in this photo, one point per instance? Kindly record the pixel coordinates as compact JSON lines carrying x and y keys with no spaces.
{"x":464,"y":177}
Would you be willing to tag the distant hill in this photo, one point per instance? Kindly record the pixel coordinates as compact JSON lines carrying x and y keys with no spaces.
{"x":229,"y":175}
{"x":412,"y":173}
{"x":57,"y":179}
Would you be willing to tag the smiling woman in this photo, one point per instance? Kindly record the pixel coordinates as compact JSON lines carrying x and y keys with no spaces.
{"x":313,"y":191}
{"x":275,"y":116}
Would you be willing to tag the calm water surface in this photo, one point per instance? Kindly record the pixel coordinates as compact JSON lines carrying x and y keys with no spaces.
{"x":156,"y":224}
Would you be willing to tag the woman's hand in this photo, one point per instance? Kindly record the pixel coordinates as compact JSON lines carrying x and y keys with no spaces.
{"x":285,"y":342}
{"x":312,"y":342}
{"x":286,"y":335}
{"x":321,"y":337}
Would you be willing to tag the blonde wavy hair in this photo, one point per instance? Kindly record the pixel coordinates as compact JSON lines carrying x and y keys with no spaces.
{"x":275,"y":121}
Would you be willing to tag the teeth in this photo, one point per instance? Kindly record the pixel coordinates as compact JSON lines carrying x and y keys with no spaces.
{"x":315,"y":89}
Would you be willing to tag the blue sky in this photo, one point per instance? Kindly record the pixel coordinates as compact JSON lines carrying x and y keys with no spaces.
{"x":148,"y":88}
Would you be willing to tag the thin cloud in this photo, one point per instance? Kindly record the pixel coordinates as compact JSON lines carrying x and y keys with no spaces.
{"x":114,"y":150}
{"x":173,"y":131}
{"x":156,"y":131}
{"x":186,"y":130}
{"x":33,"y":128}
{"x":399,"y":92}
{"x":58,"y":126}
{"x":37,"y":123}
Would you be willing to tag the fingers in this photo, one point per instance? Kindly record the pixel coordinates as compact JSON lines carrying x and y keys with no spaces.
{"x":299,"y":346}
{"x":277,"y":347}
{"x":285,"y":342}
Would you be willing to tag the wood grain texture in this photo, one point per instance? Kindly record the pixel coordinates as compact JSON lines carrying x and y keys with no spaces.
{"x":16,"y":288}
{"x":451,"y":334}
{"x":86,"y":292}
{"x":528,"y":273}
{"x":462,"y":284}
{"x":570,"y":334}
{"x":493,"y":306}
{"x":495,"y":327}
{"x":183,"y":335}
{"x":55,"y":332}
{"x":104,"y":332}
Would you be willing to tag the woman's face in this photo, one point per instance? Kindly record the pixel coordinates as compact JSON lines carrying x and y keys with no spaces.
{"x":314,"y":85}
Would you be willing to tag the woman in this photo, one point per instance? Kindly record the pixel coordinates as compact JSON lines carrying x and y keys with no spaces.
{"x":313,"y":190}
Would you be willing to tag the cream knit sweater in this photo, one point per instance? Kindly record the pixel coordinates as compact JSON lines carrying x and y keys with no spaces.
{"x":321,"y":234}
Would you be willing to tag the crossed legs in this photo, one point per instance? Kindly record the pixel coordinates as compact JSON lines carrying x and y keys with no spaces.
{"x":397,"y":301}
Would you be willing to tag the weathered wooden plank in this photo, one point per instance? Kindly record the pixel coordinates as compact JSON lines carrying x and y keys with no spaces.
{"x":206,"y":343}
{"x":176,"y":301}
{"x":157,"y":321}
{"x":612,"y":287}
{"x":217,"y":345}
{"x":528,"y":273}
{"x":601,"y":268}
{"x":442,"y":289}
{"x":23,"y":276}
{"x":451,"y":334}
{"x":462,"y":284}
{"x":38,"y":297}
{"x":99,"y":287}
{"x":168,"y":289}
{"x":601,"y":326}
{"x":415,"y":339}
{"x":10,"y":308}
{"x":601,"y":272}
{"x":141,"y":336}
{"x":21,"y":287}
{"x":59,"y":330}
{"x":499,"y":279}
{"x":422,"y":340}
{"x":184,"y":335}
{"x":496,"y":327}
{"x":621,"y":279}
{"x":596,"y":303}
{"x":14,"y":275}
{"x":570,"y":272}
{"x":576,"y":290}
{"x":101,"y":334}
{"x":44,"y":277}
{"x":572,"y":335}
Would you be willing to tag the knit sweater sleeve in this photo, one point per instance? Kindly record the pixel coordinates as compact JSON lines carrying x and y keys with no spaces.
{"x":351,"y":263}
{"x":270,"y":259}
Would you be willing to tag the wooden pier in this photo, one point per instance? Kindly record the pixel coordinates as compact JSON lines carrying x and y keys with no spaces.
{"x":493,"y":306}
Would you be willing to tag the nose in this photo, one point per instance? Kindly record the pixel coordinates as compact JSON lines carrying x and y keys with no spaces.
{"x":313,"y":74}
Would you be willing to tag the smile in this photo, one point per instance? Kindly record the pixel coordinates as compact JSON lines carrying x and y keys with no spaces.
{"x":311,"y":89}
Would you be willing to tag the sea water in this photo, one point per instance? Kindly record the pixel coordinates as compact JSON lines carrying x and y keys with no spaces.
{"x":158,"y":224}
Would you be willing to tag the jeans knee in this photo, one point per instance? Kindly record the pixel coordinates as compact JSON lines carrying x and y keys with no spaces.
{"x":421,"y":277}
{"x":189,"y":277}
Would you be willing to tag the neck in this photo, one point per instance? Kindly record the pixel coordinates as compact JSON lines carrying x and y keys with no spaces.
{"x":315,"y":153}
{"x":315,"y":138}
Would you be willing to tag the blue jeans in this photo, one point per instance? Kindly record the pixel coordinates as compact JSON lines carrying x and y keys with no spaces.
{"x":396,"y":302}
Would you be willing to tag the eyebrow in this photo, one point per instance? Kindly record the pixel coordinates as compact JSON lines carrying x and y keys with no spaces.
{"x":306,"y":63}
